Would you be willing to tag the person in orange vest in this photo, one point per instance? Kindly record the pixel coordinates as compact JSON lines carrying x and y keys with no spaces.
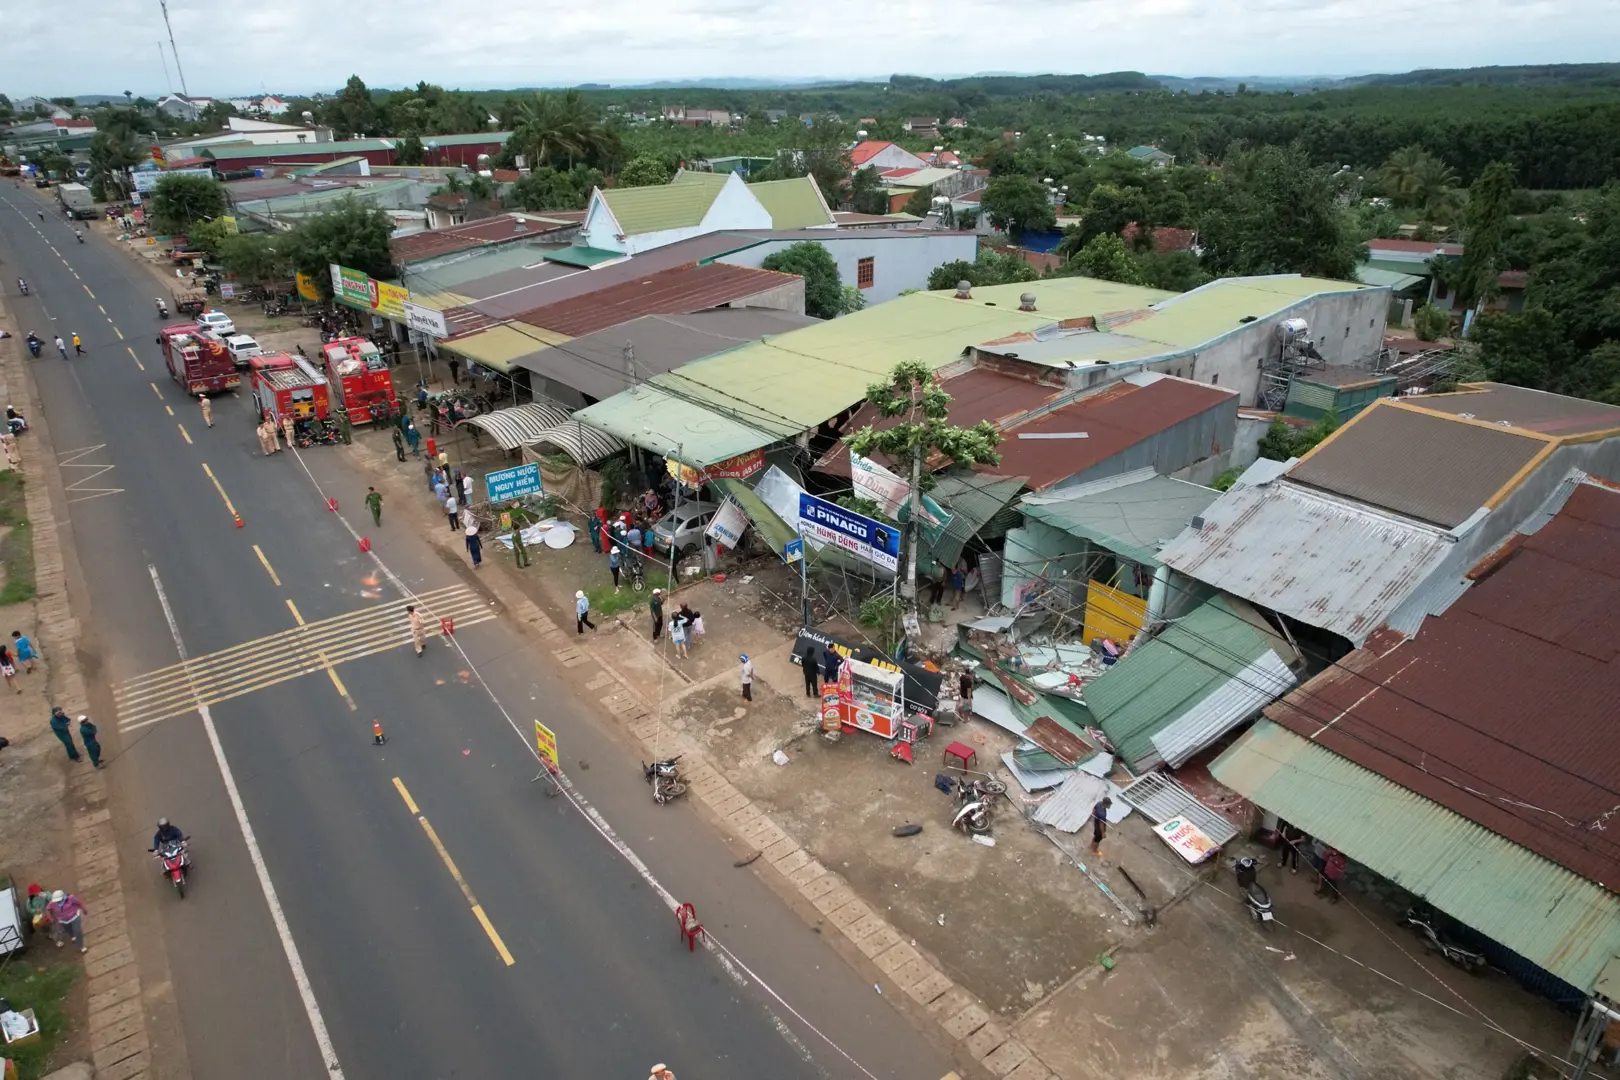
{"x":377,"y":736}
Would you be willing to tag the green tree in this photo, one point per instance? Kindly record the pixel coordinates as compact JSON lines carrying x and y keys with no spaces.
{"x":352,"y":235}
{"x":547,"y":189}
{"x":1280,"y":215}
{"x":1174,"y":271}
{"x":559,"y":130}
{"x":921,"y":203}
{"x":866,"y":194}
{"x":1108,"y":259}
{"x":179,"y":202}
{"x":256,"y":257}
{"x":1529,"y":349}
{"x":1484,"y":234}
{"x":646,"y":170}
{"x":990,"y":268}
{"x":1430,"y":323}
{"x":1017,"y":205}
{"x":410,"y":151}
{"x":1107,"y":210}
{"x":1282,"y":441}
{"x":209,"y":235}
{"x":354,"y":111}
{"x":112,"y":154}
{"x":823,"y":290}
{"x":920,"y":409}
{"x":216,"y":115}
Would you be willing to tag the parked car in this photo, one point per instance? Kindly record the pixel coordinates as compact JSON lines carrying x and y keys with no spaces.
{"x":685,"y":526}
{"x":242,"y":349}
{"x":217,"y":321}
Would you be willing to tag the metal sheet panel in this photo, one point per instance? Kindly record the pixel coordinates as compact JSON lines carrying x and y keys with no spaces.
{"x":519,"y":425}
{"x":1231,"y":703}
{"x":1070,"y":806}
{"x":1543,"y":912}
{"x":1160,"y":798}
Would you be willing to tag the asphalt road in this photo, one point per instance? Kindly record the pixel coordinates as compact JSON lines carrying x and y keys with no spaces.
{"x":406,"y":977}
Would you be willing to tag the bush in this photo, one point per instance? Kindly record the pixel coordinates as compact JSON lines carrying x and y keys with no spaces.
{"x":1430,"y":323}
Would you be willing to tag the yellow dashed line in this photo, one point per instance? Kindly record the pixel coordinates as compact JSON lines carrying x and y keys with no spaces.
{"x":154,"y":387}
{"x":117,"y":331}
{"x":91,"y":294}
{"x":169,"y":409}
{"x":331,"y":671}
{"x":131,"y":350}
{"x":182,"y":428}
{"x":267,"y":567}
{"x":102,"y":310}
{"x":455,"y":873}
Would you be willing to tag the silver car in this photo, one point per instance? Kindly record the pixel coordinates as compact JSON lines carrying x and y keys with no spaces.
{"x":685,"y":526}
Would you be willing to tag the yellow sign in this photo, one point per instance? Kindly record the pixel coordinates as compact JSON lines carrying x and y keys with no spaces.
{"x":546,"y":743}
{"x":390,"y":299}
{"x":230,"y":224}
{"x":306,"y":287}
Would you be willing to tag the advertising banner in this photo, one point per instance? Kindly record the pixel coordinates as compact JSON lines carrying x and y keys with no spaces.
{"x":426,"y":320}
{"x":147,"y":180}
{"x":740,"y":467}
{"x":1188,"y":840}
{"x":505,"y":485}
{"x":873,"y":481}
{"x":353,"y":287}
{"x":728,"y":523}
{"x":545,"y":743}
{"x":306,"y":286}
{"x":855,"y":533}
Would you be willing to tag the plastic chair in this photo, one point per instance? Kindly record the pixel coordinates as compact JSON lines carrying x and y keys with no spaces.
{"x":686,"y":916}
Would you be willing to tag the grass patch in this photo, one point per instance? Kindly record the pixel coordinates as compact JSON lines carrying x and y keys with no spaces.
{"x":17,"y":548}
{"x":43,"y":989}
{"x":604,"y":601}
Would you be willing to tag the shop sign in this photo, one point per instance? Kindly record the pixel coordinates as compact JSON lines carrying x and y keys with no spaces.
{"x":728,"y":523}
{"x":227,"y":291}
{"x":740,"y":467}
{"x":425,"y":320}
{"x":873,"y":481}
{"x":507,"y":484}
{"x":306,"y":286}
{"x":1187,"y":839}
{"x":922,"y":685}
{"x":353,"y":287}
{"x":855,"y":533}
{"x":545,"y":744}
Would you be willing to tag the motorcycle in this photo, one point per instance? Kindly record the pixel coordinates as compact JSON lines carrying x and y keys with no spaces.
{"x":665,"y":778}
{"x":34,"y":345}
{"x":176,"y":860}
{"x":1255,"y":898}
{"x":22,"y":286}
{"x":1424,"y":924}
{"x":16,"y":422}
{"x":79,"y":236}
{"x":162,"y":310}
{"x":978,"y":790}
{"x":638,"y":572}
{"x":973,"y":818}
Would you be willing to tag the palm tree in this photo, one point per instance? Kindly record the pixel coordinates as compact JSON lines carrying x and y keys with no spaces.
{"x":559,"y":130}
{"x":112,"y":155}
{"x":1434,"y":186}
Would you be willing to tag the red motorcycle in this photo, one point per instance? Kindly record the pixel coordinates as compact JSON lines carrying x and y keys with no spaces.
{"x":176,"y":859}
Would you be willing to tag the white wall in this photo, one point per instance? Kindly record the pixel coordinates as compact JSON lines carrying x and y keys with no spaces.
{"x":901,"y":260}
{"x":735,"y":207}
{"x":893,"y":157}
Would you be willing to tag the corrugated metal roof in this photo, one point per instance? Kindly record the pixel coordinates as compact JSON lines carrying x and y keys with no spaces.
{"x":1221,"y":307}
{"x":1538,"y":909}
{"x":662,"y":422}
{"x":973,"y":499}
{"x":1535,"y":410}
{"x":518,"y":425}
{"x":1133,"y":514}
{"x":292,"y":151}
{"x":585,"y":444}
{"x":1069,"y":808}
{"x":1325,"y":561}
{"x":680,"y":204}
{"x":792,"y":204}
{"x":1421,"y":464}
{"x":1393,"y":280}
{"x":1166,"y":677}
{"x":670,"y":292}
{"x":1238,"y":699}
{"x":470,"y":138}
{"x":1506,"y":709}
{"x":767,"y":523}
{"x":496,"y":230}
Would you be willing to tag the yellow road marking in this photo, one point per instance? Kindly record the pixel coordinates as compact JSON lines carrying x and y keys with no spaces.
{"x":154,"y":387}
{"x":455,"y":873}
{"x":87,"y":289}
{"x":342,"y":690}
{"x":169,"y":409}
{"x":267,"y":568}
{"x":182,"y":428}
{"x":221,"y":489}
{"x":102,"y":310}
{"x":284,"y":656}
{"x":137,"y":360}
{"x":117,"y":331}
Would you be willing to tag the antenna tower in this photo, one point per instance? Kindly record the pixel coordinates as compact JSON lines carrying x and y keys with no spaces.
{"x":164,"y":4}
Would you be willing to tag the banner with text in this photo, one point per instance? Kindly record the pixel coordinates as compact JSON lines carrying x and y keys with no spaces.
{"x":740,"y":467}
{"x":728,"y":523}
{"x":378,"y":297}
{"x":855,"y":533}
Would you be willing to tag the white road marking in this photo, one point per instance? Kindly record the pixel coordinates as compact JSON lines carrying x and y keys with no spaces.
{"x":312,"y":1009}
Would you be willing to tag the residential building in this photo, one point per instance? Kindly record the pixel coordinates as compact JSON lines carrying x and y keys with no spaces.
{"x":736,"y":164}
{"x":245,"y":133}
{"x":244,"y":157}
{"x":435,"y":248}
{"x":1151,"y":155}
{"x":956,"y":122}
{"x":183,"y":108}
{"x":1413,"y":260}
{"x":902,"y":184}
{"x":881,"y":263}
{"x":269,"y":105}
{"x":923,"y":127}
{"x":473,"y":150}
{"x":1467,"y":760}
{"x":53,"y":130}
{"x":880,"y":155}
{"x":628,"y":221}
{"x":43,"y":108}
{"x":1167,"y":239}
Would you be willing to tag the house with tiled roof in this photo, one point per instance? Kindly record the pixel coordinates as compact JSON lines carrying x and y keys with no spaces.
{"x":879,"y":154}
{"x":1413,"y":260}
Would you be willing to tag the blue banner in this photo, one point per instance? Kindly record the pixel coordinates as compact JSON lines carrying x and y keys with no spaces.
{"x":832,"y":524}
{"x":508,"y":484}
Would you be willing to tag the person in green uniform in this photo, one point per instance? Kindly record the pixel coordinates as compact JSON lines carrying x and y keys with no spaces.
{"x":345,"y":427}
{"x":374,"y":504}
{"x":519,"y":551}
{"x":399,"y":445}
{"x":92,"y":745}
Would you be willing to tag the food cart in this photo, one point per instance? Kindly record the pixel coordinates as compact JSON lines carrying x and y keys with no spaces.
{"x":361,"y":380}
{"x":874,"y":697}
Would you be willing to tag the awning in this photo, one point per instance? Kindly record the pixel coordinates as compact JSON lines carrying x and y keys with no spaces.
{"x":767,"y":523}
{"x":519,"y":425}
{"x":581,"y":442}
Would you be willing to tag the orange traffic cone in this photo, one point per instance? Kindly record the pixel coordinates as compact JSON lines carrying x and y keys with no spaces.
{"x":238,"y":518}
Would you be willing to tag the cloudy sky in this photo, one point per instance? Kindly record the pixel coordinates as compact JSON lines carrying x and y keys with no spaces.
{"x":300,"y":46}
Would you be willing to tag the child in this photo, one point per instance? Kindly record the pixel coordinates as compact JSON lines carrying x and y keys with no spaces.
{"x":24,"y":650}
{"x":8,"y":669}
{"x":677,"y":636}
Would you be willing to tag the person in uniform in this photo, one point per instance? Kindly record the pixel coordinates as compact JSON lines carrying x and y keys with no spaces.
{"x":207,"y":410}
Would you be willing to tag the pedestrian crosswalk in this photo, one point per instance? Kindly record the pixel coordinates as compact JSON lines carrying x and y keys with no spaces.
{"x":288,"y":654}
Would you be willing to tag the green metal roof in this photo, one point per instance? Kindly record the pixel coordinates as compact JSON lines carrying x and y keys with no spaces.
{"x":582,"y":255}
{"x":1198,"y":318}
{"x":974,"y":500}
{"x":1395,"y":280}
{"x":291,"y":150}
{"x":471,"y":138}
{"x":1163,"y":678}
{"x":680,"y":204}
{"x":703,"y":434}
{"x":1143,"y":151}
{"x":1399,"y":266}
{"x":1131,"y":515}
{"x":776,"y":532}
{"x":1543,"y":912}
{"x":793,"y":204}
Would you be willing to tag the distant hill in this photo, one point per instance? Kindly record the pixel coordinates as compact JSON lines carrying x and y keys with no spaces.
{"x":1533,"y":75}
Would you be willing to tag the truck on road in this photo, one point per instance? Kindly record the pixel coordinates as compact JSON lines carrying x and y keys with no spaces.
{"x":201,"y":364}
{"x":361,"y":380}
{"x":76,"y":200}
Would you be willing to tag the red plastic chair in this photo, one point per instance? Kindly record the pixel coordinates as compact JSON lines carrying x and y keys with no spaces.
{"x":686,"y":916}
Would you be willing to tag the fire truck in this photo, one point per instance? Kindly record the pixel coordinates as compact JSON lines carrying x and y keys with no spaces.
{"x":361,"y":380}
{"x":197,"y":361}
{"x":287,"y":385}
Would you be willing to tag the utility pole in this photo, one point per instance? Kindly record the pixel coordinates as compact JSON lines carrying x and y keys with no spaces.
{"x":164,"y":60}
{"x":164,"y":4}
{"x":629,"y":353}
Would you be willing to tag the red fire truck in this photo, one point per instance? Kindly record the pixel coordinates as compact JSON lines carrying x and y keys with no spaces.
{"x":197,"y":361}
{"x":361,"y":380}
{"x":287,"y":385}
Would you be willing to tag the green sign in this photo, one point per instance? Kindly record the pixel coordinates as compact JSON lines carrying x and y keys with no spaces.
{"x":350,"y":285}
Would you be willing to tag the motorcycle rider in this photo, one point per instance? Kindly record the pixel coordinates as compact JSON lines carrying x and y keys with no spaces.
{"x":79,"y":236}
{"x":166,"y":834}
{"x":22,"y":286}
{"x":162,"y":307}
{"x":34,"y":343}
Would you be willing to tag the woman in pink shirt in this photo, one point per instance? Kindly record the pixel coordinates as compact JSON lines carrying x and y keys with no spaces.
{"x":67,"y":914}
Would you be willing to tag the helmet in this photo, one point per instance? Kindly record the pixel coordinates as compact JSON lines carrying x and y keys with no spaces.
{"x":162,"y":821}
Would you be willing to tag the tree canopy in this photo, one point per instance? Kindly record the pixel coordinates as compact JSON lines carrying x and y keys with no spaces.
{"x":1018,"y":204}
{"x":179,"y":202}
{"x":1278,"y":214}
{"x":352,"y":235}
{"x":824,"y":295}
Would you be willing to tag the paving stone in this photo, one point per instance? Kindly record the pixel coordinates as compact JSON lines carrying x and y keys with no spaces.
{"x":833,"y":899}
{"x":756,"y":824}
{"x":865,"y":927}
{"x":969,"y":1019}
{"x":879,"y":942}
{"x":761,"y":839}
{"x":820,"y":886}
{"x":781,"y":849}
{"x":130,"y":1068}
{"x":95,"y":817}
{"x":807,"y":873}
{"x":745,"y":817}
{"x":107,"y":991}
{"x":117,"y":1031}
{"x":912,"y":973}
{"x":101,"y":1019}
{"x":790,"y":862}
{"x":931,"y":987}
{"x":103,"y":875}
{"x":725,"y":805}
{"x":848,"y":915}
{"x":109,"y":962}
{"x":896,"y":958}
{"x":104,"y":943}
{"x":111,"y":1054}
{"x":644,"y":732}
{"x":986,"y":1039}
{"x":1007,"y":1057}
{"x":1032,"y":1069}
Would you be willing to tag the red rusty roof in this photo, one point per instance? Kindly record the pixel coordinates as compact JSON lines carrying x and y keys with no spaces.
{"x":485,"y":231}
{"x":1506,"y":709}
{"x":679,"y":291}
{"x":1413,"y":247}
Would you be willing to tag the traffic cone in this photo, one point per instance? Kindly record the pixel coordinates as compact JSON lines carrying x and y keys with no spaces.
{"x":365,"y":544}
{"x":331,"y":504}
{"x":238,"y":518}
